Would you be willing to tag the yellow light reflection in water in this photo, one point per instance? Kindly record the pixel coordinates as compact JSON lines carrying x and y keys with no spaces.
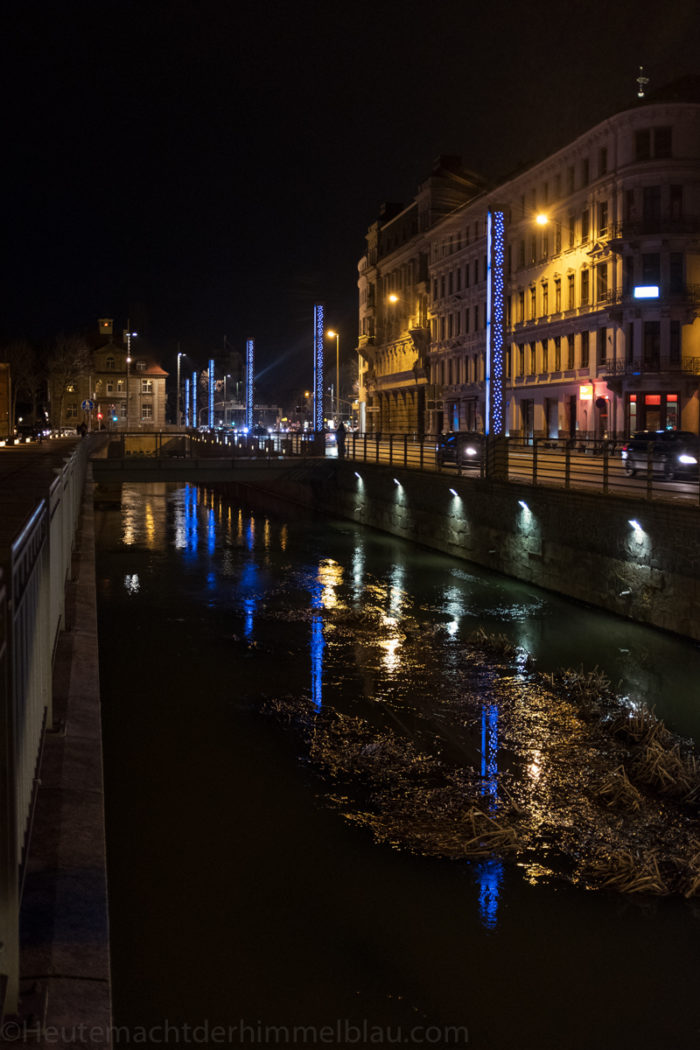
{"x":283,"y":538}
{"x":330,"y":576}
{"x":132,"y":583}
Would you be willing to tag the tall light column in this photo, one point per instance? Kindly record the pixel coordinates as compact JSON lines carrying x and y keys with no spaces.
{"x":495,"y":377}
{"x":211,"y":393}
{"x":128,"y":335}
{"x":249,"y":381}
{"x":318,"y":368}
{"x":195,"y":421}
{"x":178,"y":416}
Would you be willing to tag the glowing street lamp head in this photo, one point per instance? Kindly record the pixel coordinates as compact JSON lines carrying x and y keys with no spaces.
{"x":541,"y":219}
{"x":393,"y":298}
{"x":331,"y":334}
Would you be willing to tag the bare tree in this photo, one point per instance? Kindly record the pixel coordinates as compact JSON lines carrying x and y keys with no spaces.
{"x":26,"y":371}
{"x":69,"y":360}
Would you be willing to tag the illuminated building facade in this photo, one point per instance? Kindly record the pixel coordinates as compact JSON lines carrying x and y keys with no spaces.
{"x":600,"y":301}
{"x":115,"y":394}
{"x":394,"y":292}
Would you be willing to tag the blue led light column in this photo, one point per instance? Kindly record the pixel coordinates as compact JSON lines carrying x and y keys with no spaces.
{"x":249,"y":381}
{"x":211,"y":392}
{"x":318,"y":368}
{"x":495,"y":378}
{"x":194,"y":399}
{"x":187,"y":402}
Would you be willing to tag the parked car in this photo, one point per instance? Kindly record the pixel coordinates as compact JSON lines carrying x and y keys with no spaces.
{"x":463,"y":449}
{"x":673,"y":452}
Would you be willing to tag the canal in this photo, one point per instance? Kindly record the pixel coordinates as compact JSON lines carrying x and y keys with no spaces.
{"x":259,"y":875}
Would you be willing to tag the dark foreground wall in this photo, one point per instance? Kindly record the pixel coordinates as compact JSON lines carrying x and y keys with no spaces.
{"x":579,"y":545}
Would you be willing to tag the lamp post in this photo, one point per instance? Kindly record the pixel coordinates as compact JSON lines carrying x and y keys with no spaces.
{"x":178,"y":413}
{"x":335,"y":335}
{"x":128,"y":335}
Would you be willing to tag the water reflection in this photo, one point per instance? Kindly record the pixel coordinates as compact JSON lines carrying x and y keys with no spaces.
{"x":317,"y":644}
{"x":489,"y":873}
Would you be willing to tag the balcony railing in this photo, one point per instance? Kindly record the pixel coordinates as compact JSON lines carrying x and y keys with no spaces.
{"x":655,"y":365}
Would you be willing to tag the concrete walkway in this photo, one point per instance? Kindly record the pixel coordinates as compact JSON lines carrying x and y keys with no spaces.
{"x":64,"y":965}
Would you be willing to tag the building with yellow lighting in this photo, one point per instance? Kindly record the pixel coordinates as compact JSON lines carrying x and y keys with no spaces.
{"x":602,"y":271}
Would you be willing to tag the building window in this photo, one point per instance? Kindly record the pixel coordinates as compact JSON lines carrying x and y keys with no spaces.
{"x":109,"y":364}
{"x":146,"y":386}
{"x":146,"y":410}
{"x":585,"y":344}
{"x":651,"y":204}
{"x":533,"y":358}
{"x":651,"y":268}
{"x":585,"y":287}
{"x":602,"y":218}
{"x":662,"y":142}
{"x":557,"y":295}
{"x":570,"y":180}
{"x":572,"y":230}
{"x":676,"y":202}
{"x":521,"y":307}
{"x":585,"y":225}
{"x":72,"y":410}
{"x":140,"y":366}
{"x":652,"y":344}
{"x":521,"y":253}
{"x":521,"y":359}
{"x":601,"y":274}
{"x":629,"y":356}
{"x":545,"y":355}
{"x":642,"y":144}
{"x":570,"y":352}
{"x":675,"y":273}
{"x":675,"y":343}
{"x":585,"y":172}
{"x":557,"y":353}
{"x":545,"y":299}
{"x":110,"y":386}
{"x":603,"y":160}
{"x":571,"y":292}
{"x":601,"y":341}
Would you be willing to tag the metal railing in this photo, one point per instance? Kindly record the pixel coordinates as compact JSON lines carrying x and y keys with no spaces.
{"x":35,"y":562}
{"x":583,"y":463}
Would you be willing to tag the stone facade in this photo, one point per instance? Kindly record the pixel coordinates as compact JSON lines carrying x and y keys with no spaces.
{"x":602,"y":292}
{"x":126,"y":395}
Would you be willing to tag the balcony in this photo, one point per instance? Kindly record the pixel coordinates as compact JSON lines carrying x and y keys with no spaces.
{"x":654,"y":365}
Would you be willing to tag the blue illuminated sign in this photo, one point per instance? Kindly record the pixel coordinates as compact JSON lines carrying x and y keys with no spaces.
{"x":646,"y":291}
{"x":318,"y":368}
{"x":211,"y":391}
{"x":495,"y":384}
{"x":249,"y":381}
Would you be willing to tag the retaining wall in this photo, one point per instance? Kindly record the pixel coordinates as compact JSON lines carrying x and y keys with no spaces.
{"x":579,"y":545}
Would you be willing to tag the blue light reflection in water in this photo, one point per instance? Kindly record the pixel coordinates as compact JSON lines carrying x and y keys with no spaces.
{"x":317,"y":645}
{"x":489,"y":873}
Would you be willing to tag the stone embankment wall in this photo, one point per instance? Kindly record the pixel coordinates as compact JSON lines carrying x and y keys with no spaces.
{"x":577,"y":544}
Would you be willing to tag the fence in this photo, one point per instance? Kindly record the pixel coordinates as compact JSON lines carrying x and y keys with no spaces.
{"x":35,"y":560}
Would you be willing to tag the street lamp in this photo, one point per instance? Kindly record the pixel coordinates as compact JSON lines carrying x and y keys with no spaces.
{"x":177,"y":411}
{"x":128,"y":335}
{"x":335,"y":335}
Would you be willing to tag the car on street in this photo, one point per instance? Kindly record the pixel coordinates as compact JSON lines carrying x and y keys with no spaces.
{"x":461,"y":449}
{"x":671,"y":452}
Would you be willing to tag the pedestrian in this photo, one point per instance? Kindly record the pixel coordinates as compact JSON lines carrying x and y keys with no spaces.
{"x":340,"y":439}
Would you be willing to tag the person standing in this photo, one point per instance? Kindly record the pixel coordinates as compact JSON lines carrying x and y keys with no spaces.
{"x":340,"y":439}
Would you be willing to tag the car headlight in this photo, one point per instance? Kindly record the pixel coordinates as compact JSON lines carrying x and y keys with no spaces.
{"x":687,"y":459}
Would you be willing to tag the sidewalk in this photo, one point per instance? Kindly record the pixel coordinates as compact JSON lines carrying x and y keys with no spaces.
{"x":64,"y":966}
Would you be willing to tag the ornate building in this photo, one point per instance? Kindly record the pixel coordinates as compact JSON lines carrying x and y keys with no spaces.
{"x":602,"y":290}
{"x":118,"y":391}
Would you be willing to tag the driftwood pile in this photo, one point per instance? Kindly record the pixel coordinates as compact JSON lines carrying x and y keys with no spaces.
{"x":610,"y":799}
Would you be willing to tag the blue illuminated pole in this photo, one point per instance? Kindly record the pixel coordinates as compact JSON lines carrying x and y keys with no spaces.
{"x":249,"y":381}
{"x":187,"y":402}
{"x":194,"y":399}
{"x":318,"y":368}
{"x":495,"y":372}
{"x":211,"y":391}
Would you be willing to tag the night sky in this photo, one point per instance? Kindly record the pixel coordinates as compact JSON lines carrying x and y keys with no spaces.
{"x":209,"y":169}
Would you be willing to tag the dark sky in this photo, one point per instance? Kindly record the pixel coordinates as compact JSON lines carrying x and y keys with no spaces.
{"x":210,"y":168}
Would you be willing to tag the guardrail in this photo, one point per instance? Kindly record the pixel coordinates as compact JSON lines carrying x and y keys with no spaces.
{"x":35,"y":562}
{"x":569,"y":463}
